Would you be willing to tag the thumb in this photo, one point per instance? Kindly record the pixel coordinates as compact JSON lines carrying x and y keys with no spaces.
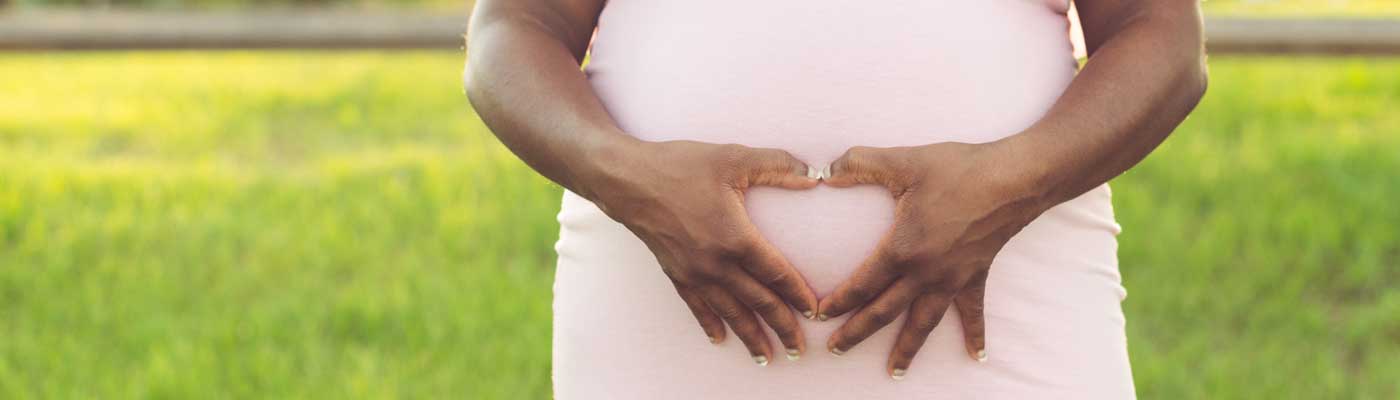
{"x":773,"y":167}
{"x":864,"y":165}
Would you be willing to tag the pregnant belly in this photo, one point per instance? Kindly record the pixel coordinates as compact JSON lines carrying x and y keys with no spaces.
{"x":823,"y":82}
{"x":815,"y":78}
{"x":824,"y":232}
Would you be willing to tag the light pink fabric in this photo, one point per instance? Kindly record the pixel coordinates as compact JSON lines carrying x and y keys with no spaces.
{"x":814,"y":78}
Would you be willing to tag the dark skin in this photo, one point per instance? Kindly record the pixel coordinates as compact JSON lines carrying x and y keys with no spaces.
{"x":683,"y":199}
{"x":957,"y":204}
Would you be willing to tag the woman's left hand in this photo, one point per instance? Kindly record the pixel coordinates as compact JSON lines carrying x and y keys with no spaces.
{"x":956,"y":205}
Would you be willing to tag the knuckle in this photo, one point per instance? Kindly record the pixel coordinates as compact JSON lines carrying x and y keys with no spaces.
{"x":732,"y":252}
{"x":732,"y":151}
{"x":972,"y":293}
{"x":734,"y":246}
{"x":963,"y":277}
{"x":860,"y":292}
{"x":940,"y":286}
{"x":765,"y":305}
{"x":772,"y":154}
{"x":704,"y":273}
{"x":903,"y":257}
{"x":727,"y":250}
{"x":882,"y":315}
{"x":924,"y":324}
{"x":971,"y":307}
{"x":773,"y":277}
{"x":729,"y":314}
{"x":732,"y":158}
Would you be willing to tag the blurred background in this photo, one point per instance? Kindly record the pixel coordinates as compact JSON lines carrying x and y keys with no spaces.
{"x":299,"y":202}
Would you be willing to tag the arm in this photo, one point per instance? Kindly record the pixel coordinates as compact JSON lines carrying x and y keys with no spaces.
{"x":958,"y":204}
{"x":683,"y":199}
{"x":1145,"y":73}
{"x":524,"y":81}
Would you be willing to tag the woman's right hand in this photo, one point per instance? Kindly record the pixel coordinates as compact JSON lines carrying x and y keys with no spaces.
{"x":685,"y":200}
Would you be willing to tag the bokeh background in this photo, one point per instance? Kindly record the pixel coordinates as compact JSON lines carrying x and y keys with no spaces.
{"x":339,"y":224}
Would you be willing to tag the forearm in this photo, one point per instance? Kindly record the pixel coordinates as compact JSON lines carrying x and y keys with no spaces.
{"x":523,"y":79}
{"x":1138,"y":85}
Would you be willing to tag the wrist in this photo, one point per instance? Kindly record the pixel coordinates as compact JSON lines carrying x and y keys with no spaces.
{"x":605,"y":159}
{"x":1025,"y":169}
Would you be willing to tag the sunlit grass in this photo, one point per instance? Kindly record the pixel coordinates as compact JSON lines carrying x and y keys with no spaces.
{"x":1262,"y":242}
{"x":315,"y":224}
{"x":270,"y":224}
{"x":1303,"y":8}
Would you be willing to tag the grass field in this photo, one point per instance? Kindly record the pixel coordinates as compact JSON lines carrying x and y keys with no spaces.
{"x":317,"y":224}
{"x":1303,"y":8}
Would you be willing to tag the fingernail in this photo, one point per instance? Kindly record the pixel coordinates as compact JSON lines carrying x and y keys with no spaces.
{"x":826,"y":172}
{"x":813,"y":173}
{"x":821,"y":317}
{"x":982,"y":355}
{"x":761,"y":360}
{"x":837,"y":352}
{"x":898,"y":374}
{"x":808,"y":314}
{"x":714,"y":340}
{"x":793,"y":354}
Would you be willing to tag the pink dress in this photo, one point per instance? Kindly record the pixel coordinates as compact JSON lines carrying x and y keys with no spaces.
{"x":814,"y":78}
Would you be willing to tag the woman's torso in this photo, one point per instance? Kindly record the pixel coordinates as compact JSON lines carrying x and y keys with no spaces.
{"x":815,"y":78}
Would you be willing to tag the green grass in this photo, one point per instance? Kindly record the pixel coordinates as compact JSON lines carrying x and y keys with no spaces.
{"x":264,"y":224}
{"x":230,"y":5}
{"x":325,"y":224}
{"x":1302,"y":8}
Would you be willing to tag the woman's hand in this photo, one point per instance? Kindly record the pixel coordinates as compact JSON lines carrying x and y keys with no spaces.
{"x":685,"y":199}
{"x":955,"y":209}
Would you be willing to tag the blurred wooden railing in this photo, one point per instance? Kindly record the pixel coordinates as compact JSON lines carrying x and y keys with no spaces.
{"x":124,"y":30}
{"x":1292,"y":36}
{"x":129,"y":30}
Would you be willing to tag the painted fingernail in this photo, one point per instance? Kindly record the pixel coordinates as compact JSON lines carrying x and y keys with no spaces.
{"x":982,"y":355}
{"x":897,"y":374}
{"x":808,"y":314}
{"x":837,"y":352}
{"x":813,"y":173}
{"x":821,"y":317}
{"x":793,"y":354}
{"x":761,"y":360}
{"x":826,"y":172}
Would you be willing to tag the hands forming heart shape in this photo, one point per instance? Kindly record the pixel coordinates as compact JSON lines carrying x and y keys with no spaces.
{"x":956,"y":205}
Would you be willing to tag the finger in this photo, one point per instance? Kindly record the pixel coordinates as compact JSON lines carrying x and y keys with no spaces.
{"x":769,"y":267}
{"x":741,"y":320}
{"x":709,"y":322}
{"x":873,"y":276}
{"x":970,"y":308}
{"x":773,"y":311}
{"x":869,"y":319}
{"x":863,"y":165}
{"x":923,"y":316}
{"x":773,"y":167}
